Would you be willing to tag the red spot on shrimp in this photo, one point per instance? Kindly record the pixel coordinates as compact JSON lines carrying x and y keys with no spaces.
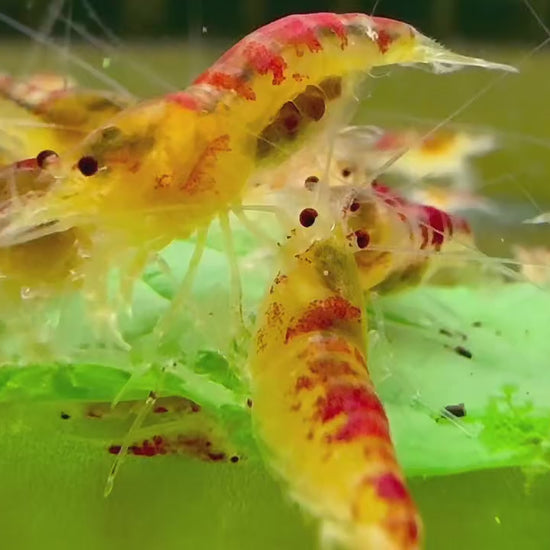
{"x":413,"y":530}
{"x":303,"y":383}
{"x":184,"y":99}
{"x":200,"y":180}
{"x":322,"y":315}
{"x":225,"y":81}
{"x":335,"y":24}
{"x":295,"y":31}
{"x":160,"y":410}
{"x":439,"y":222}
{"x":264,"y":61}
{"x":383,"y":41}
{"x":365,"y":416}
{"x":390,"y":487}
{"x":327,"y":369}
{"x":27,"y":164}
{"x":390,"y":141}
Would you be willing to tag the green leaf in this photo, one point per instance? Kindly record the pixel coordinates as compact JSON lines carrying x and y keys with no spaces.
{"x":419,"y":358}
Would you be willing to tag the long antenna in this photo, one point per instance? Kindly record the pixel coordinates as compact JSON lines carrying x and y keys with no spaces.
{"x":27,"y":31}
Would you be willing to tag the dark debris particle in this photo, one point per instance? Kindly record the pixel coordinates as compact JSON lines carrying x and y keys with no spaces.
{"x":234,"y":459}
{"x":456,"y":410}
{"x":65,"y":416}
{"x":445,"y":332}
{"x":463,"y":352}
{"x":476,"y":324}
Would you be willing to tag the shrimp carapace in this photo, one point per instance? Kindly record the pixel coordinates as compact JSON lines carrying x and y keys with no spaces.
{"x":315,"y":408}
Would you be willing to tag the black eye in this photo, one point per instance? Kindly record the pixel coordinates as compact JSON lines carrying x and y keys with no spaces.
{"x":88,"y":166}
{"x":354,"y":206}
{"x":346,"y":172}
{"x":44,"y":158}
{"x":307,"y":216}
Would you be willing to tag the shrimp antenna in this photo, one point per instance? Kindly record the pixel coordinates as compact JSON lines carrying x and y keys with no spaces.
{"x":54,"y":11}
{"x":459,"y":111}
{"x":27,"y":31}
{"x":108,"y":49}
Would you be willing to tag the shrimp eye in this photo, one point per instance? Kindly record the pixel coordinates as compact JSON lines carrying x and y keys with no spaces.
{"x":307,"y":216}
{"x":346,"y":172}
{"x":46,"y":157}
{"x":362,"y":238}
{"x":88,"y":166}
{"x":354,"y":206}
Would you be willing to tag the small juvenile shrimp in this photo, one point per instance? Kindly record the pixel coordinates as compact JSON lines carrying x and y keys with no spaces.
{"x":166,"y":168}
{"x":360,"y":152}
{"x":315,"y":409}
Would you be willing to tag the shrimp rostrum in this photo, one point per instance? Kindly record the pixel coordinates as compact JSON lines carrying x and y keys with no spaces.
{"x":165,"y":168}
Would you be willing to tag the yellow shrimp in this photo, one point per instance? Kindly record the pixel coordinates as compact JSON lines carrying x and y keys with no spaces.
{"x":315,"y":407}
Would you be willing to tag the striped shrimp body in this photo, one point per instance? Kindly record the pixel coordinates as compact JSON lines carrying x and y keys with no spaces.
{"x":315,"y":408}
{"x":193,"y":152}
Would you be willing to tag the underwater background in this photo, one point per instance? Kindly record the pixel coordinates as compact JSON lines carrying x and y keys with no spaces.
{"x":52,"y":479}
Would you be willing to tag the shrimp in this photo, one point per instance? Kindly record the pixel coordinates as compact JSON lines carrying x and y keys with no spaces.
{"x":361,"y":151}
{"x":315,"y":408}
{"x":164,"y":169}
{"x":49,"y":112}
